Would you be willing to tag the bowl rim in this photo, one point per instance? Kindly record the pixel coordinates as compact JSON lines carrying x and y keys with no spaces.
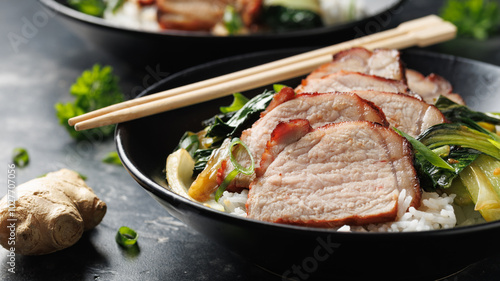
{"x":173,"y":198}
{"x":99,"y":22}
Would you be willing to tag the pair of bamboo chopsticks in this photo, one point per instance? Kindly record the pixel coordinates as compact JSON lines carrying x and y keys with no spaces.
{"x":421,"y":32}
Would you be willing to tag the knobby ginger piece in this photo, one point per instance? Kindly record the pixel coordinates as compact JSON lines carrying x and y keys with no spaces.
{"x":51,"y":213}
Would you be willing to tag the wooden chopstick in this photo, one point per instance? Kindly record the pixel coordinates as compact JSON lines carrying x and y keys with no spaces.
{"x":421,"y":32}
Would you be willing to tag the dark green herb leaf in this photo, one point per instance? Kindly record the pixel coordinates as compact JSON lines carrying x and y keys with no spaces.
{"x":94,"y":89}
{"x":474,"y":18}
{"x":242,"y":119}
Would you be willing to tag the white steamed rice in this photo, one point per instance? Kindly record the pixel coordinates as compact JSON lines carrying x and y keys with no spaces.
{"x":436,"y":212}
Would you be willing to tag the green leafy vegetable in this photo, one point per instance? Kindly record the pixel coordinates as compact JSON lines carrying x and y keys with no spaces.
{"x":126,"y":236}
{"x":190,"y":142}
{"x":461,"y":135}
{"x":426,"y":152}
{"x":112,"y":158}
{"x":201,"y":158}
{"x":232,"y":20}
{"x":227,"y":125}
{"x":455,"y":112}
{"x":281,"y":18}
{"x":89,"y":7}
{"x":467,"y":144}
{"x":432,"y":177}
{"x":239,"y":101}
{"x":443,"y":151}
{"x":481,"y":181}
{"x":95,"y":88}
{"x":474,"y":18}
{"x":20,"y":157}
{"x":242,"y":119}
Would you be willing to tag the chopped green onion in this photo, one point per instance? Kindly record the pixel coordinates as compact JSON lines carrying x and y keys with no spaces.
{"x":426,"y":152}
{"x":237,"y":167}
{"x":126,"y":236}
{"x":241,"y":169}
{"x":20,"y":157}
{"x":227,"y":180}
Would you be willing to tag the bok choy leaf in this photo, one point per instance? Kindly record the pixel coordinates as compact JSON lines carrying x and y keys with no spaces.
{"x":242,"y":119}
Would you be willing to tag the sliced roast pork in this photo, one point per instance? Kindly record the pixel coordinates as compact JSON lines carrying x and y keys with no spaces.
{"x":319,"y":109}
{"x":203,"y":15}
{"x":345,"y":81}
{"x":337,"y":174}
{"x":430,"y":87}
{"x":407,"y":113}
{"x":381,"y":62}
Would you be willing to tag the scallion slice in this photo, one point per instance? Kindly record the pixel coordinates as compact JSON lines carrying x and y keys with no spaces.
{"x":227,"y":180}
{"x":238,"y":168}
{"x":20,"y":157}
{"x":126,"y":236}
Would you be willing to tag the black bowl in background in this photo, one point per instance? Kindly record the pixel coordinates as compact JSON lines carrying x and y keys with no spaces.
{"x":302,"y":253}
{"x":177,"y":49}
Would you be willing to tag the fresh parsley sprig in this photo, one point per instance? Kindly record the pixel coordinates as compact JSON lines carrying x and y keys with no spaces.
{"x":478,"y":19}
{"x":94,"y":89}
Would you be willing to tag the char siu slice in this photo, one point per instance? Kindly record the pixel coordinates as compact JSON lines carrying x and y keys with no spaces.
{"x":203,"y":15}
{"x":341,"y":173}
{"x":407,"y":113}
{"x":319,"y":109}
{"x":345,"y":81}
{"x":430,"y":87}
{"x":381,"y":62}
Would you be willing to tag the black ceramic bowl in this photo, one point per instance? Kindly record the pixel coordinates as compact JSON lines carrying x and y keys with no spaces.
{"x":191,"y":48}
{"x":302,"y":253}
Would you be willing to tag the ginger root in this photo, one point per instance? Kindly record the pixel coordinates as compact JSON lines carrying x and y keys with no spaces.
{"x":50,"y":213}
